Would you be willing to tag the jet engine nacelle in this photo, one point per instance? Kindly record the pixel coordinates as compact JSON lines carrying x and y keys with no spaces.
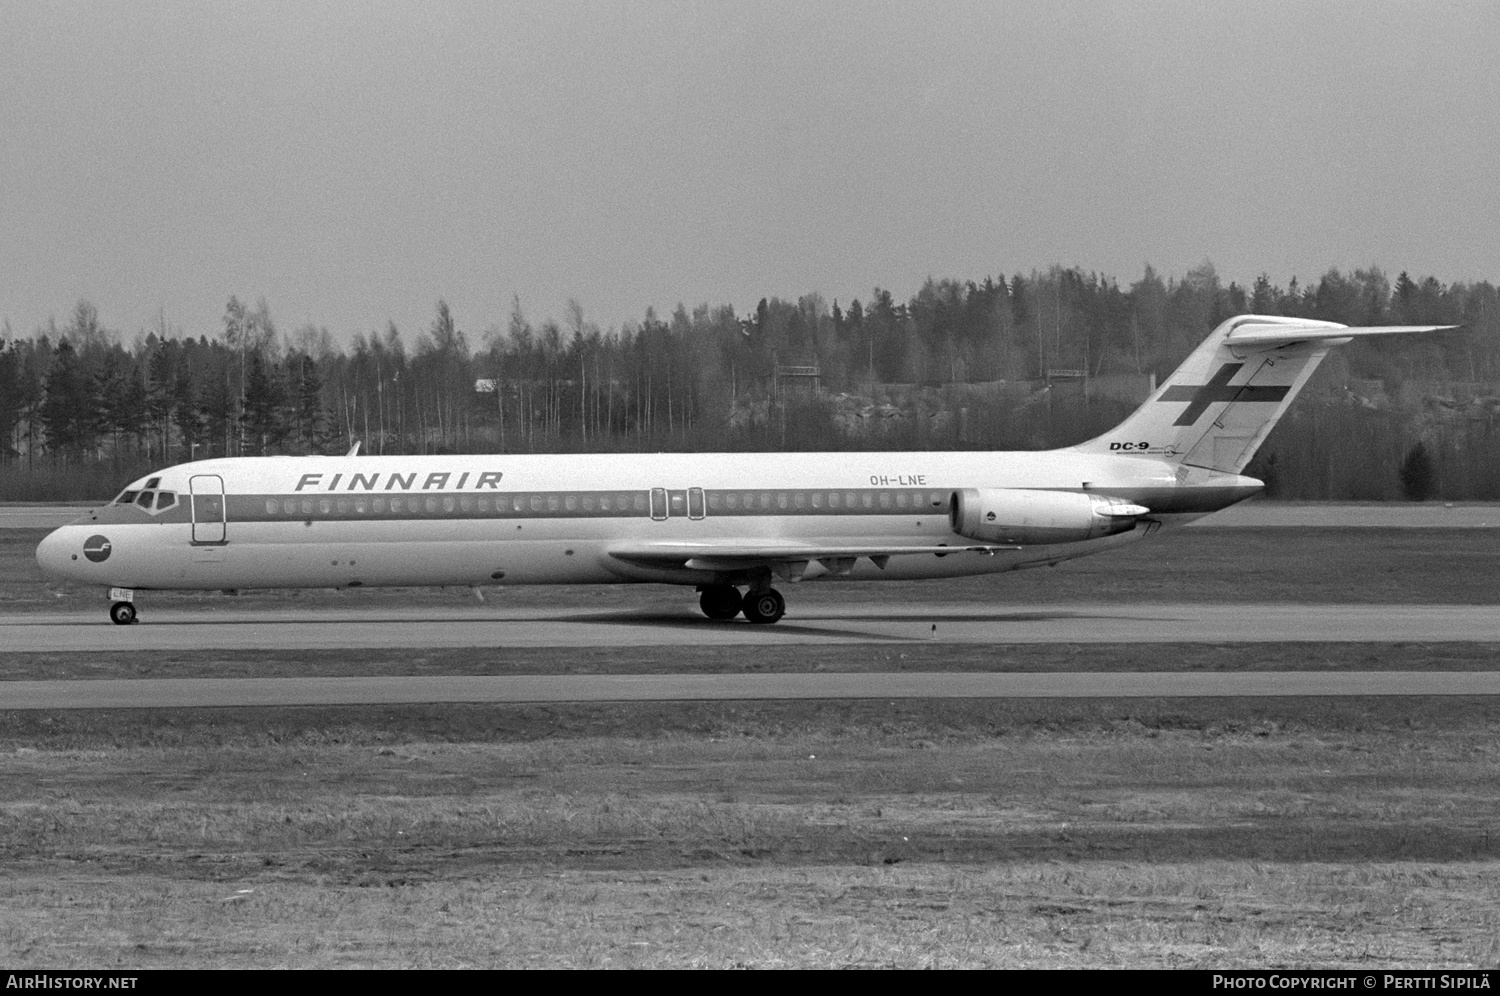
{"x":1027,"y":518}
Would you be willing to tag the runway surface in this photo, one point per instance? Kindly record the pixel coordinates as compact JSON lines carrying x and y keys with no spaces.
{"x":41,"y":516}
{"x":245,"y":692}
{"x":822,"y":624}
{"x":1375,"y":515}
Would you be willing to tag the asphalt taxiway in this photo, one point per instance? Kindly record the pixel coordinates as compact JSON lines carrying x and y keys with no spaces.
{"x":322,"y":691}
{"x":822,"y":624}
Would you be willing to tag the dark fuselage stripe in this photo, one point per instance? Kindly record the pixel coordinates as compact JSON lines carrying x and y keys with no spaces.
{"x":675,"y":503}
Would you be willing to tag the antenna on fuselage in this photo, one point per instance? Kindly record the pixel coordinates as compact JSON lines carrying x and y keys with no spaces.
{"x":353,"y":450}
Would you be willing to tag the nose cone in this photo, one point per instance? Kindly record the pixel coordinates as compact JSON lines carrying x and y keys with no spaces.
{"x":54,"y":553}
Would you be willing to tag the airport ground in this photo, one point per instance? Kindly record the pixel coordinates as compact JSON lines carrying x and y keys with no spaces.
{"x":1347,"y":830}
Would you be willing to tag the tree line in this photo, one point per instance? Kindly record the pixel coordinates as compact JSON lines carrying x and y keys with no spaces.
{"x":959,"y":364}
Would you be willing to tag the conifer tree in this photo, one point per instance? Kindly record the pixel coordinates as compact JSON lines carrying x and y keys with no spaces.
{"x":187,"y":414}
{"x":66,"y":410}
{"x":1418,"y":475}
{"x":264,"y":416}
{"x":10,"y":398}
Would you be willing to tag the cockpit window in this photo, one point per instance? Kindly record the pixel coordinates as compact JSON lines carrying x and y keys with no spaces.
{"x":165,"y":499}
{"x":153,"y":482}
{"x":126,"y":498}
{"x":145,"y":499}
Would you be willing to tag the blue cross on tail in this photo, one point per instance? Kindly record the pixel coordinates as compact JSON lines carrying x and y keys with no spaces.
{"x":1218,"y":388}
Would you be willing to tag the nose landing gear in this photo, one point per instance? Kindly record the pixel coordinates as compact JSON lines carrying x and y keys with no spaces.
{"x":122,"y":613}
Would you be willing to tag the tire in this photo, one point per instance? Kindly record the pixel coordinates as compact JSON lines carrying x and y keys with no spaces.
{"x":122,"y":613}
{"x":766,"y":607}
{"x":720,"y":601}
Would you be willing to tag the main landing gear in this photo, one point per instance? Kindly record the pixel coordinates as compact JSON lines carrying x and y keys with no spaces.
{"x":720,"y":601}
{"x":723,"y":601}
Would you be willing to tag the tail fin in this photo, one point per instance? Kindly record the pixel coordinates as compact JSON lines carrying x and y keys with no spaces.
{"x":1219,"y":405}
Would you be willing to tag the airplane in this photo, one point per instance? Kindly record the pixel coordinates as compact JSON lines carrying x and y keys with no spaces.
{"x":729,"y":524}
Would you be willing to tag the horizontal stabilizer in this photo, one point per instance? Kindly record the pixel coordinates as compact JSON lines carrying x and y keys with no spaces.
{"x":1284,"y":335}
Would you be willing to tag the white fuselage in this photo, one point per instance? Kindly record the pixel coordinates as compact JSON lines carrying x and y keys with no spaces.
{"x":302,"y":522}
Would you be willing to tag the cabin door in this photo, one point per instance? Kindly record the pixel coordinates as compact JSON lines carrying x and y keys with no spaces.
{"x":208,"y":508}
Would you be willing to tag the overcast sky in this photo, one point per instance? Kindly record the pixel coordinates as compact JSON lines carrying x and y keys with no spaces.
{"x":354,"y":162}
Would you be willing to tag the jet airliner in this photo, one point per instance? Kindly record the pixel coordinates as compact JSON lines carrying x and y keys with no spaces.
{"x":730,"y":525}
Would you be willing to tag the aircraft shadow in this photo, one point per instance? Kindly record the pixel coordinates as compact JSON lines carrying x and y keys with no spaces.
{"x":1009,"y":617}
{"x":806,"y":624}
{"x":684,"y":621}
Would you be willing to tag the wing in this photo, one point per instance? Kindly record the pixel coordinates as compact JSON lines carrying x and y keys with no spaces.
{"x":785,"y":559}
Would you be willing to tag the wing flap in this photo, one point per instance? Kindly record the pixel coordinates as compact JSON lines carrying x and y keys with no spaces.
{"x":721,"y":557}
